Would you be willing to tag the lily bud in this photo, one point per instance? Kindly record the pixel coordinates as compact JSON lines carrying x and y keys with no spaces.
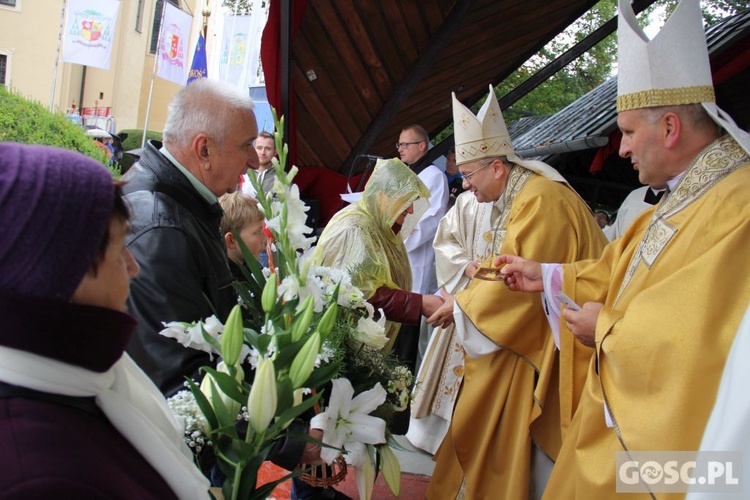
{"x":232,"y":338}
{"x":209,"y":387}
{"x":302,"y":323}
{"x":326,"y":322}
{"x":268,"y":298}
{"x":304,"y":362}
{"x":390,"y":468}
{"x":262,"y":401}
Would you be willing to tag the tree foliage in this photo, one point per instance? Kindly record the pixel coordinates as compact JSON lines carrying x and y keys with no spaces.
{"x":242,"y":7}
{"x":594,"y":67}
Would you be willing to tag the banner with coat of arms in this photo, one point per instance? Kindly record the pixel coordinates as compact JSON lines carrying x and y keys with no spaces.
{"x":89,"y":32}
{"x":173,"y":44}
{"x":240,"y":49}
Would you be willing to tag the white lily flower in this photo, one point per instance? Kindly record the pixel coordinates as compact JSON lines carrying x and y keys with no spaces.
{"x":346,"y":420}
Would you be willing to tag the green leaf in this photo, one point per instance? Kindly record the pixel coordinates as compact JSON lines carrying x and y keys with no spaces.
{"x":228,"y":385}
{"x":284,"y":392}
{"x":289,"y":415}
{"x":322,"y":375}
{"x":286,"y":354}
{"x":203,"y":404}
{"x":222,"y":413}
{"x":251,"y":262}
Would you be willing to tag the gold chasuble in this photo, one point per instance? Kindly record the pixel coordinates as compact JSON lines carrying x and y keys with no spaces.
{"x":510,"y":397}
{"x":674,"y":289}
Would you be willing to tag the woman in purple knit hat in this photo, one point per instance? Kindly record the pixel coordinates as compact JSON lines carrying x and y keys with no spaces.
{"x":78,"y":419}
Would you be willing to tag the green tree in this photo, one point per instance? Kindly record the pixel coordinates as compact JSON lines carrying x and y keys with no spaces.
{"x":576,"y":79}
{"x":243,"y":6}
{"x":713,"y":10}
{"x":596,"y":65}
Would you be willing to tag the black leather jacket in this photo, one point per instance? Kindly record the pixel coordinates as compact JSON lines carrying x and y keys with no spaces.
{"x":184,"y":275}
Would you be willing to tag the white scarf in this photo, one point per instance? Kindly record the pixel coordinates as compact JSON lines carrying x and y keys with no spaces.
{"x":130,"y":401}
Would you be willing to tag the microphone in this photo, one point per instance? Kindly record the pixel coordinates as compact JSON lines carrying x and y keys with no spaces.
{"x":370,"y":157}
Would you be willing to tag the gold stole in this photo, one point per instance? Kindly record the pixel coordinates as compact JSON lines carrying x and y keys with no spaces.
{"x":675,"y":287}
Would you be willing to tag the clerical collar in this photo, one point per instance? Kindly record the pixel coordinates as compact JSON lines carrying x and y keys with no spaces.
{"x":198,"y":185}
{"x":672,"y":183}
{"x":653,"y":196}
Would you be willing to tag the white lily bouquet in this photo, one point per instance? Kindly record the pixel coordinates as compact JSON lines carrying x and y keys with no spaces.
{"x":314,"y":345}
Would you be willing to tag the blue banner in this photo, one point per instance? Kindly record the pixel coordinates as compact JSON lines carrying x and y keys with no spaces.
{"x":198,"y":69}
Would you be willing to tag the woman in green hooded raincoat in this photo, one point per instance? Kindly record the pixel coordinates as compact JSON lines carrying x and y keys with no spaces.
{"x":367,"y":240}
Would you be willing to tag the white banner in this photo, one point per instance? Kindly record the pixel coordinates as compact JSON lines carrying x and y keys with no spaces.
{"x":240,"y":49}
{"x":173,"y":44}
{"x":89,"y":32}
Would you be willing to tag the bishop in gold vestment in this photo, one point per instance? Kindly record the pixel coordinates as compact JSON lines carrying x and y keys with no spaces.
{"x":674,"y":289}
{"x":510,"y":396}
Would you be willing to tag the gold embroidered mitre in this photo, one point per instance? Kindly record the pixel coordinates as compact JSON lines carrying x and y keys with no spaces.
{"x":670,"y":70}
{"x":486,"y":136}
{"x":481,"y":136}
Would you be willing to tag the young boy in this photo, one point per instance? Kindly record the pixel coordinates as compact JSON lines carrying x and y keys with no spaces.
{"x":241,"y":213}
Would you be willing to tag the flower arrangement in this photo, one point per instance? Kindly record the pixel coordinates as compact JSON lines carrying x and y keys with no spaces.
{"x":312,"y":343}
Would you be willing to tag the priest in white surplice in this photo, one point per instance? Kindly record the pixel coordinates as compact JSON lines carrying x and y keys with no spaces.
{"x":462,"y":241}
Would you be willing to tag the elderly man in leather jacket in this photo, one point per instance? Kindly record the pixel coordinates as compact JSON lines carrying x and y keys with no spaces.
{"x":173,"y":192}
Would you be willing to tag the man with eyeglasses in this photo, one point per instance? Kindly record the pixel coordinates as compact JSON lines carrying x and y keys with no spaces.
{"x":520,"y":381}
{"x":413,"y":143}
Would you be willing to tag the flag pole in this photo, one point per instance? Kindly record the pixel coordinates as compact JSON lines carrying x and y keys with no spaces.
{"x":153,"y":76}
{"x":206,"y":15}
{"x":57,"y":57}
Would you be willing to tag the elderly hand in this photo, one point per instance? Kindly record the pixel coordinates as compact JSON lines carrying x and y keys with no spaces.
{"x":471,"y":269}
{"x":444,"y":315}
{"x":311,"y":453}
{"x":521,"y":275}
{"x":430,"y":304}
{"x":583,"y":323}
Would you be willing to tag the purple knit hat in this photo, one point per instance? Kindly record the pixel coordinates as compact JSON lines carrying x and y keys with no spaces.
{"x":55,"y":206}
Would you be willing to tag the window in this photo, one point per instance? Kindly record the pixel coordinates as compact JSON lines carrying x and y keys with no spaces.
{"x":157,"y":23}
{"x":139,"y":17}
{"x":3,"y":70}
{"x":9,"y":3}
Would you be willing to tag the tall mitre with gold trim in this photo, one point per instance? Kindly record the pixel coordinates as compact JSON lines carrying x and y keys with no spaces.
{"x":486,"y":136}
{"x":672,"y":69}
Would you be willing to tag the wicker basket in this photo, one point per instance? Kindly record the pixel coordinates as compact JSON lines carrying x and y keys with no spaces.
{"x":319,"y":476}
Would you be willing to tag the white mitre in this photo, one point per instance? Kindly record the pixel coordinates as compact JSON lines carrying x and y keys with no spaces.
{"x":486,"y":136}
{"x":670,"y":70}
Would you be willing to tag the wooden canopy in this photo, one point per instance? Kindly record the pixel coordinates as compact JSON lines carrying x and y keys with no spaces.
{"x":357,"y":72}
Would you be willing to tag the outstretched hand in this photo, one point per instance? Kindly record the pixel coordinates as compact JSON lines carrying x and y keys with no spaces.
{"x":311,"y":452}
{"x":430,"y":304}
{"x":583,"y":323}
{"x":521,"y":275}
{"x":471,"y":269}
{"x":444,"y":314}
